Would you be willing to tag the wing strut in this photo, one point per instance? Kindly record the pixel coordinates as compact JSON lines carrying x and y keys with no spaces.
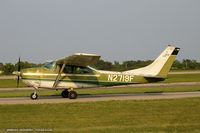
{"x":59,"y":75}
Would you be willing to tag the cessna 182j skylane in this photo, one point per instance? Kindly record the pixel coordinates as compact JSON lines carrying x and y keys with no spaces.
{"x":74,"y":72}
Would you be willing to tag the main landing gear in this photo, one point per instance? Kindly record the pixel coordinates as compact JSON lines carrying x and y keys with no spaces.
{"x":69,"y":94}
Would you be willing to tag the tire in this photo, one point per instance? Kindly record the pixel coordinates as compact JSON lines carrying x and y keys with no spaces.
{"x":72,"y":95}
{"x":34,"y":96}
{"x":65,"y":94}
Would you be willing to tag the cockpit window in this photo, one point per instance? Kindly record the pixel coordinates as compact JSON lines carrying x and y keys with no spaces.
{"x":50,"y":65}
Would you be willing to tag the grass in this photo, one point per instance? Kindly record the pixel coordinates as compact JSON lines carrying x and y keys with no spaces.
{"x":26,"y":93}
{"x":154,"y":116}
{"x":10,"y":83}
{"x":182,"y":78}
{"x":183,"y":70}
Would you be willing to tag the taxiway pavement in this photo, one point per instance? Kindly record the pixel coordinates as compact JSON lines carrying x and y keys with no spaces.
{"x":95,"y":98}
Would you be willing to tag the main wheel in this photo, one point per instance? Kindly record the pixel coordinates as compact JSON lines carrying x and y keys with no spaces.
{"x":65,"y":94}
{"x":72,"y":95}
{"x":34,"y":96}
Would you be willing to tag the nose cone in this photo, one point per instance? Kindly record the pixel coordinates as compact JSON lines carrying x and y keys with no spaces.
{"x":17,"y":73}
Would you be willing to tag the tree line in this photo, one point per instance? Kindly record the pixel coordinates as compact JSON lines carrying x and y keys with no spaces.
{"x":185,"y":64}
{"x":8,"y":68}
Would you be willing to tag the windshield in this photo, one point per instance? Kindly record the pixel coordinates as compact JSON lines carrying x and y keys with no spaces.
{"x":50,"y":65}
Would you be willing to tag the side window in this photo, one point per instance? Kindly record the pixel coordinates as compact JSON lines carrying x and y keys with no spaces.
{"x":82,"y":70}
{"x":76,"y":70}
{"x":68,"y":69}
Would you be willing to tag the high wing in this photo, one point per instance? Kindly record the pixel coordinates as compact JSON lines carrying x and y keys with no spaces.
{"x":79,"y":59}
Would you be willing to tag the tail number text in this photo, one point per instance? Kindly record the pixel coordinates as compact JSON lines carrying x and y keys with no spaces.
{"x":120,"y":78}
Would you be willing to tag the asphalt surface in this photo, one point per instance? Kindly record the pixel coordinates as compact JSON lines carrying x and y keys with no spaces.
{"x":95,"y":98}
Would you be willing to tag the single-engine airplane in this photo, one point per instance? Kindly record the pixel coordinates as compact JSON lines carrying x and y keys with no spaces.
{"x":74,"y":72}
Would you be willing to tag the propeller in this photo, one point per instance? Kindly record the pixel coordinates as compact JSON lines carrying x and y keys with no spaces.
{"x":19,"y":69}
{"x":18,"y":72}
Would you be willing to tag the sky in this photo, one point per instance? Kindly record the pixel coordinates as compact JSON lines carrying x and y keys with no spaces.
{"x":118,"y":30}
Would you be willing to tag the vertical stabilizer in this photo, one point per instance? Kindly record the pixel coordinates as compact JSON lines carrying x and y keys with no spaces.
{"x":160,"y":67}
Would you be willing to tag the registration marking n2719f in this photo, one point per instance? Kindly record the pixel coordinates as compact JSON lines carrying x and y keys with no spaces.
{"x":120,"y":78}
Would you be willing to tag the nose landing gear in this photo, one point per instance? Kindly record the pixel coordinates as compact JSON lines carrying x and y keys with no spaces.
{"x":34,"y":96}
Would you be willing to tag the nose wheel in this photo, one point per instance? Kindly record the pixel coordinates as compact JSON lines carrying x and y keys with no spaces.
{"x":34,"y":96}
